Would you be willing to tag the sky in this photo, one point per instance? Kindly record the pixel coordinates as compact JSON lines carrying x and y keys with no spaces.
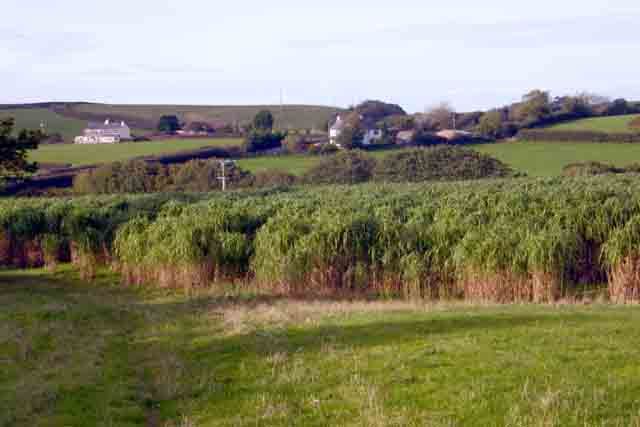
{"x":417,"y":53}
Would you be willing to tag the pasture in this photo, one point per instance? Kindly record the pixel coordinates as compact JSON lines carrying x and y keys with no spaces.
{"x":538,"y":159}
{"x":79,"y":155}
{"x":30,"y":118}
{"x":548,"y":158}
{"x":94,"y":353}
{"x":613,"y":124}
{"x":147,"y":116}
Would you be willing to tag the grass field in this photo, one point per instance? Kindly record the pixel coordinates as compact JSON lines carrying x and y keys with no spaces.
{"x":612,"y":124}
{"x":296,"y":165}
{"x":99,"y":354}
{"x":533,"y":158}
{"x":294,"y":116}
{"x":548,"y":158}
{"x":28,"y":118}
{"x":104,"y":153}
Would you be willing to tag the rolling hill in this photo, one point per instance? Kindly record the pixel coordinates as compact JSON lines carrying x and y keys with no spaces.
{"x":68,"y":119}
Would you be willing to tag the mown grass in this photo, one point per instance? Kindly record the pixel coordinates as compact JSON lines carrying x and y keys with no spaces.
{"x":78,"y":154}
{"x":98,"y":354}
{"x":613,"y":124}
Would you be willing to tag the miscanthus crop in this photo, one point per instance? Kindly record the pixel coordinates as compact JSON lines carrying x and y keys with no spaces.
{"x":502,"y":241}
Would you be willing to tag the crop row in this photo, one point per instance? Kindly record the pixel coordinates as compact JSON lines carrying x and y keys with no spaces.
{"x":503,"y":241}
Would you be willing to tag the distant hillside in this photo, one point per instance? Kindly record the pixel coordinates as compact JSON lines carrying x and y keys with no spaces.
{"x":70,"y":118}
{"x":611,"y":124}
{"x":31,"y":118}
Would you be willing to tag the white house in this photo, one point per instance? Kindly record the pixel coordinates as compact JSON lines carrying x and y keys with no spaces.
{"x":104,"y":133}
{"x":371,"y":132}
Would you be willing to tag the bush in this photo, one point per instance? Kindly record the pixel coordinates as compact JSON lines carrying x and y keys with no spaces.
{"x":427,"y":139}
{"x":347,"y":167}
{"x":274,"y":179}
{"x":596,"y":168}
{"x":635,"y":124}
{"x":259,"y":140}
{"x":437,"y":164}
{"x":323,"y":150}
{"x":294,"y":144}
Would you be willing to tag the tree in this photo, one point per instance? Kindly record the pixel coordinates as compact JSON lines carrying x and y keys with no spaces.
{"x":263,"y":121}
{"x":351,"y":137}
{"x":534,"y":107}
{"x":14,"y":150}
{"x":294,"y":144}
{"x":618,"y":107}
{"x":378,"y":110}
{"x":169,"y":124}
{"x":491,"y":124}
{"x":441,"y":116}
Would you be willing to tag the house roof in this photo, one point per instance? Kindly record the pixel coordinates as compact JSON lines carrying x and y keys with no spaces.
{"x":451,"y":134}
{"x":405,"y":135}
{"x":106,"y":125}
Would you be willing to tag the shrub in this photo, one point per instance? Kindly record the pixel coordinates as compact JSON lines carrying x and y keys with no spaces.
{"x":273,"y":179}
{"x":576,"y":136}
{"x":294,"y":144}
{"x":347,"y":167}
{"x":261,"y":140}
{"x":439,"y":163}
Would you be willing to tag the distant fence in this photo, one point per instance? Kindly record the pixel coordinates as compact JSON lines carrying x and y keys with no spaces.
{"x":538,"y":135}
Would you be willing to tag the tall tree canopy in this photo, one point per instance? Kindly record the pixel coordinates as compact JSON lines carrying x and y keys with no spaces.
{"x":169,"y":124}
{"x":14,"y":150}
{"x":263,"y":120}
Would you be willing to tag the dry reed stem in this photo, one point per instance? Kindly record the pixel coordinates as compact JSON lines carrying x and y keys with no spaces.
{"x":624,"y":281}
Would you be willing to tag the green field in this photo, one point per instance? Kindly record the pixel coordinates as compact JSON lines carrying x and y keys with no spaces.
{"x":533,"y":158}
{"x":28,"y":118}
{"x":296,"y":165}
{"x":548,"y":158}
{"x":78,"y":155}
{"x":614,"y":124}
{"x":98,"y":354}
{"x":147,"y":116}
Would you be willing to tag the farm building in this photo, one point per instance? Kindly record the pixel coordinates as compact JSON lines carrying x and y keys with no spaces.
{"x":371,"y":131}
{"x":104,"y":133}
{"x":405,"y":136}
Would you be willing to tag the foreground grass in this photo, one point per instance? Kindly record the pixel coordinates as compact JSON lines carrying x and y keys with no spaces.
{"x":613,"y":124}
{"x":102,"y":153}
{"x":98,"y":354}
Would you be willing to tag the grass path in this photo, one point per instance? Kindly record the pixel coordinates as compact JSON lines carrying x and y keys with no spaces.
{"x":77,"y":354}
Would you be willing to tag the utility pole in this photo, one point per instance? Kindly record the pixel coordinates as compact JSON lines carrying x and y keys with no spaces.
{"x":223,"y":177}
{"x":281,"y":110}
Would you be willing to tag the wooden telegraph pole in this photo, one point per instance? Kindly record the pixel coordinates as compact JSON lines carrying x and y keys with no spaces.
{"x":223,"y":177}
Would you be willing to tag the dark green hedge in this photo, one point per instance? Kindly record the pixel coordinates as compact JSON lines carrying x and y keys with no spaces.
{"x":577,"y":136}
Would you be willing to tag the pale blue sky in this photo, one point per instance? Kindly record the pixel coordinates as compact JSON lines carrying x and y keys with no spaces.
{"x":413,"y":52}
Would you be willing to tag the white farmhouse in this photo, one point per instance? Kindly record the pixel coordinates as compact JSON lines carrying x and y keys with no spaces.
{"x":371,"y":132}
{"x":104,"y":133}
